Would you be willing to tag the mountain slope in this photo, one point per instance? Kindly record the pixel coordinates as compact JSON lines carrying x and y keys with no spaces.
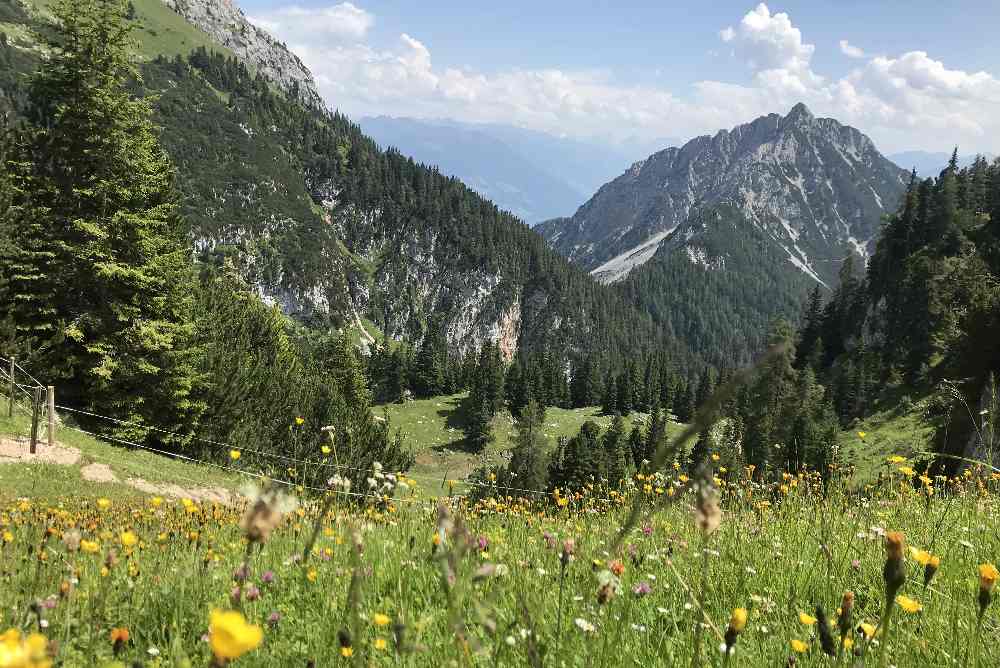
{"x":322,"y":222}
{"x":819,"y":188}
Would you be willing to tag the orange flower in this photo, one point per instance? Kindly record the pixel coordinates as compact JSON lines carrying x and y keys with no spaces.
{"x":895,"y":544}
{"x":617,"y":567}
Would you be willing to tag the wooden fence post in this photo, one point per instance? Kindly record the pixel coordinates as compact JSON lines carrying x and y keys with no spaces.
{"x":13,"y":388}
{"x":50,"y":409}
{"x":35,"y":409}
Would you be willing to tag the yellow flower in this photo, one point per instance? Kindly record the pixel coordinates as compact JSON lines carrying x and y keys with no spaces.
{"x":908,"y":604}
{"x":325,"y":449}
{"x":868,"y":629}
{"x":380,"y":644}
{"x":715,"y":457}
{"x":347,"y":652}
{"x":311,"y":575}
{"x":799,"y":646}
{"x":300,"y":421}
{"x":906,"y":470}
{"x":8,"y":537}
{"x":235,"y":454}
{"x":738,"y":621}
{"x":90,"y":546}
{"x":922,"y":557}
{"x":848,"y":642}
{"x":128,"y":539}
{"x":20,"y":652}
{"x":862,"y":434}
{"x":988,"y":576}
{"x":381,"y":620}
{"x":103,"y":503}
{"x":156,"y":501}
{"x":896,"y":459}
{"x":230,"y":636}
{"x":808,"y":620}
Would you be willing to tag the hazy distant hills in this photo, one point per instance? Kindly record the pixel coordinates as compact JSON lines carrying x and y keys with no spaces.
{"x":532,"y":174}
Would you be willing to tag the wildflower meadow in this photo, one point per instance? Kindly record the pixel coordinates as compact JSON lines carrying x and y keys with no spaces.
{"x":714,"y":569}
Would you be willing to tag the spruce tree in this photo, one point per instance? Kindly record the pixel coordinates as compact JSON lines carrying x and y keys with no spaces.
{"x":615,"y":459}
{"x":100,"y":278}
{"x":528,"y":465}
{"x":636,"y":449}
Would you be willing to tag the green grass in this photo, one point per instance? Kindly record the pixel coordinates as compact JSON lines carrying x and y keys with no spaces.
{"x":432,"y":428}
{"x":161,"y":31}
{"x":41,"y":479}
{"x":494,"y":590}
{"x":902,"y":430}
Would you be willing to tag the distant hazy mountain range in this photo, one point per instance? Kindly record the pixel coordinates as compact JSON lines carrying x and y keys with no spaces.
{"x":532,"y":174}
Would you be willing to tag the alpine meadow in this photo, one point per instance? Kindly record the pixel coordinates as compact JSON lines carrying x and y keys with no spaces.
{"x":282,"y":389}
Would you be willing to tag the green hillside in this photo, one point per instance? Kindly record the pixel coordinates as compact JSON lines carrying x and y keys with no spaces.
{"x":901,"y":430}
{"x":161,"y":30}
{"x":432,"y":428}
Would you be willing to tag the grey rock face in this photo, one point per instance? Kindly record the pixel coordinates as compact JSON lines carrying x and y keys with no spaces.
{"x":226,"y":23}
{"x":817,"y":187}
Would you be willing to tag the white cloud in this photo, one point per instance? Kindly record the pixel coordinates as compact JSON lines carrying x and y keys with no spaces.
{"x":850,"y":50}
{"x":893,"y":99}
{"x":773,"y":47}
{"x":344,"y":21}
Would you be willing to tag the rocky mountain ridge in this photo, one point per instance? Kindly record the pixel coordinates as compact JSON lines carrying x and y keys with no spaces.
{"x":819,"y":189}
{"x":226,"y":23}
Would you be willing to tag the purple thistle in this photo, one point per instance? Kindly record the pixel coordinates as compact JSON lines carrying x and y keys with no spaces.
{"x":642,"y":589}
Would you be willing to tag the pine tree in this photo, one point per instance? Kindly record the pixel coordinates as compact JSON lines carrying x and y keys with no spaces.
{"x":428,"y":367}
{"x":701,"y":450}
{"x":338,"y":358}
{"x":528,"y":465}
{"x":636,"y":447}
{"x":811,"y":331}
{"x":615,"y":460}
{"x":100,"y":283}
{"x":609,"y":402}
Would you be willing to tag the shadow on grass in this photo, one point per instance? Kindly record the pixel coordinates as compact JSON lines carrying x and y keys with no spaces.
{"x":456,"y":414}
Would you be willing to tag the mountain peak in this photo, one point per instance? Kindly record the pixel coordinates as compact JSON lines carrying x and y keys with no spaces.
{"x":816,"y":190}
{"x":800,"y":112}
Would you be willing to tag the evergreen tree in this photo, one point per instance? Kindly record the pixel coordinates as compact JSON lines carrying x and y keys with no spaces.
{"x":338,"y":359}
{"x":615,"y":459}
{"x":528,"y":463}
{"x":609,"y":402}
{"x":486,"y":397}
{"x":99,"y":281}
{"x":429,"y":365}
{"x":701,"y":450}
{"x":637,"y":446}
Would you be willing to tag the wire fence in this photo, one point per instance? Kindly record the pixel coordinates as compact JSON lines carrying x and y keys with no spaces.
{"x":24,"y":412}
{"x":30,"y":408}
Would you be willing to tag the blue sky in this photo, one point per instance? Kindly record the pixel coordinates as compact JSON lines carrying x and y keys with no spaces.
{"x":914,"y":75}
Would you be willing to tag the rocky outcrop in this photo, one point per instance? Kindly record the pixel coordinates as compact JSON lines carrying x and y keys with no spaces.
{"x":817,"y":187}
{"x":226,"y":23}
